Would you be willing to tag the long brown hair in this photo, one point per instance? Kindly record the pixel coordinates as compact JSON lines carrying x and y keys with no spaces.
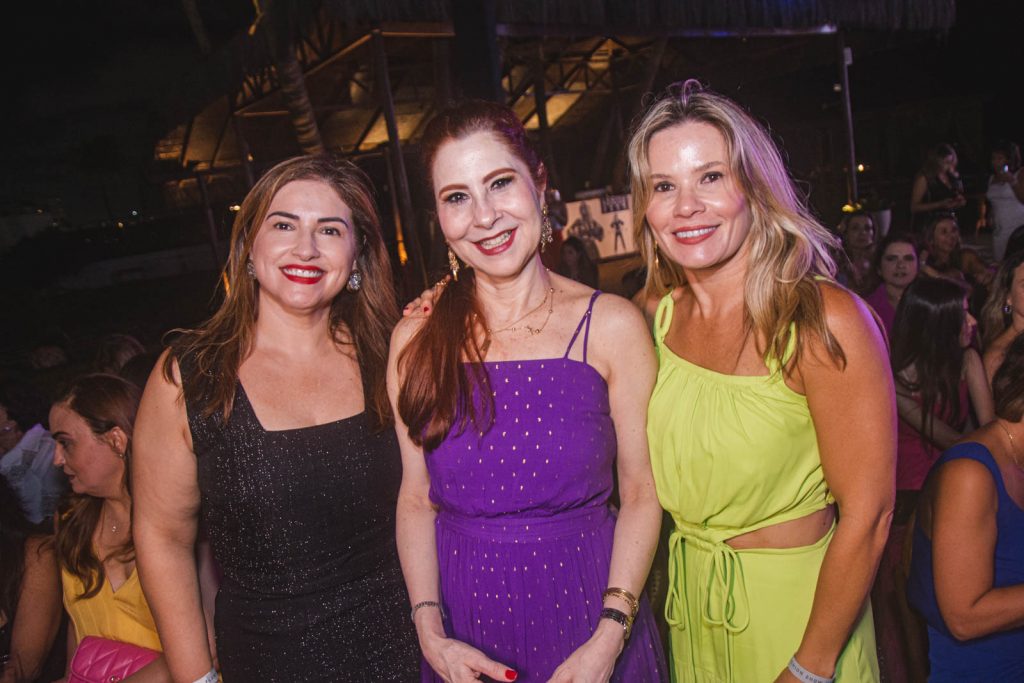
{"x":104,"y":402}
{"x":215,"y":351}
{"x":437,"y":388}
{"x":789,"y":248}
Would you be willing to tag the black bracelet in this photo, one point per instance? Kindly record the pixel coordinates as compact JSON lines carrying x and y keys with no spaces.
{"x":619,"y":617}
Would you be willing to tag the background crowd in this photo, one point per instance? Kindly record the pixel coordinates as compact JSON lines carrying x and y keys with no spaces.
{"x":261,"y":492}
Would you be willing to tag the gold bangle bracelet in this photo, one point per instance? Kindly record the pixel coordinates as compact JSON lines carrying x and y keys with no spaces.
{"x":625,"y":596}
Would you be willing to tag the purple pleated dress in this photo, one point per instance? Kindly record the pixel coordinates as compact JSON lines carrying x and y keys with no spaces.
{"x":524,"y":528}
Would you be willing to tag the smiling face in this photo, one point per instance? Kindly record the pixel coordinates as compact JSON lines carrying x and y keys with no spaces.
{"x":697,"y":212}
{"x":898,"y":266}
{"x":488,"y":206}
{"x":305,"y":247}
{"x":91,"y":462}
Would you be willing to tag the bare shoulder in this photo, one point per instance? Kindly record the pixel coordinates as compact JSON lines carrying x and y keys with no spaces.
{"x":964,"y":480}
{"x":404,"y":331}
{"x":618,"y":321}
{"x":846,"y":314}
{"x":39,"y":551}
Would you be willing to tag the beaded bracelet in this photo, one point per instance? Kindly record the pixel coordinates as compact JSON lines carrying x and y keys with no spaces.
{"x":626,"y":596}
{"x":426,"y":603}
{"x":619,"y":617}
{"x":805,"y":675}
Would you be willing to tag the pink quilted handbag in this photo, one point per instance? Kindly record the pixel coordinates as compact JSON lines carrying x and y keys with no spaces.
{"x":102,"y":660}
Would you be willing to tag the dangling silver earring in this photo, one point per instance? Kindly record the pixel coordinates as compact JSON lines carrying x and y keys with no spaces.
{"x":546,"y":232}
{"x":453,"y":264}
{"x":1007,"y":310}
{"x":250,"y":269}
{"x":355,"y":281}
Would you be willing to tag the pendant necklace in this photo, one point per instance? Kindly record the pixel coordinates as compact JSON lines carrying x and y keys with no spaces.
{"x":549,"y":298}
{"x":1013,"y":445}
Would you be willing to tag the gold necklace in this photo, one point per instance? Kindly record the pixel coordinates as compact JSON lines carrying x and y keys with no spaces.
{"x":1013,"y":444}
{"x":485,"y":347}
{"x":532,"y":330}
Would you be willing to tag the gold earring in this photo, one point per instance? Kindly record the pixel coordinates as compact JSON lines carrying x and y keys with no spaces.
{"x":546,"y":232}
{"x":453,"y":264}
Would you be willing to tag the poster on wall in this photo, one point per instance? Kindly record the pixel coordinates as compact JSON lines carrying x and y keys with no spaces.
{"x":603,"y":224}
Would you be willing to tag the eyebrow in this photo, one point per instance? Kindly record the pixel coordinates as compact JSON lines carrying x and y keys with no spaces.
{"x":487,"y":178}
{"x":699,"y":169}
{"x":326,"y":219}
{"x":58,"y":434}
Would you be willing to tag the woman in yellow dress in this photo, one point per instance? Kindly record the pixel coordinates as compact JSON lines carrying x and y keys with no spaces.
{"x":773,"y":424}
{"x":92,"y":425}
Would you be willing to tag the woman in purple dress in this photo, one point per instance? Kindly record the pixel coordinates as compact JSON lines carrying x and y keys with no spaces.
{"x":517,"y":400}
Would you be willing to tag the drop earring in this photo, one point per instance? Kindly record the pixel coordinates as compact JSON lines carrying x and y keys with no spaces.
{"x":250,"y":269}
{"x":453,"y":264}
{"x":355,"y":281}
{"x":546,"y":232}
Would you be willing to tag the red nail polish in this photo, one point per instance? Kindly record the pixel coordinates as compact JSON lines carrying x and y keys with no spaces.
{"x":511,"y":675}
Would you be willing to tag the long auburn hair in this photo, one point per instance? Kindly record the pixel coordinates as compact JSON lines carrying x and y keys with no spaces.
{"x":104,"y":402}
{"x":993,"y":321}
{"x":789,"y":248}
{"x":437,"y":388}
{"x":215,"y":351}
{"x":926,"y":338}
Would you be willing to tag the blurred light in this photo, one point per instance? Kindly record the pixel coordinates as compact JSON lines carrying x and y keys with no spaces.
{"x":120,"y":225}
{"x":134,"y":212}
{"x":860,"y":168}
{"x":234,"y":208}
{"x":837,"y":88}
{"x":850,"y":208}
{"x":249,"y":157}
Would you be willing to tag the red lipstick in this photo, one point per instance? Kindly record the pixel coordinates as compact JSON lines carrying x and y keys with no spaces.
{"x":501,"y":246}
{"x":303,"y":275}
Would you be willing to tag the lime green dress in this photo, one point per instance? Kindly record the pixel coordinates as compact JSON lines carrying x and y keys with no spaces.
{"x":732,"y":454}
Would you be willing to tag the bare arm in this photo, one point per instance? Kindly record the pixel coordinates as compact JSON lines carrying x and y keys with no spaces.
{"x":919,"y":205}
{"x":977,"y":388}
{"x":942,"y":434}
{"x":627,"y":361}
{"x":166,"y":505}
{"x":38,"y":615}
{"x":963,"y":549}
{"x":417,"y":548}
{"x":857,"y":440}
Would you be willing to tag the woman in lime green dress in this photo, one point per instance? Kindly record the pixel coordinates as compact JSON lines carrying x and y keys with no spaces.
{"x":773,"y":424}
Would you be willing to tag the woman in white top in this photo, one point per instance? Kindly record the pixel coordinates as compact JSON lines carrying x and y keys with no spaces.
{"x":1005,"y":195}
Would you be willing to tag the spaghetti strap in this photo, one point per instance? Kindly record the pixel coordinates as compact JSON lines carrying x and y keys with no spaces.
{"x":586,"y":331}
{"x":663,"y":317}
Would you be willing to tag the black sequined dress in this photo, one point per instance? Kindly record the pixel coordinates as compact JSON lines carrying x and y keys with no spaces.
{"x":302,"y":525}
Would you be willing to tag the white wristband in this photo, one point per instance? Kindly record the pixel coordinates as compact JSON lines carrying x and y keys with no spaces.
{"x":210,"y":677}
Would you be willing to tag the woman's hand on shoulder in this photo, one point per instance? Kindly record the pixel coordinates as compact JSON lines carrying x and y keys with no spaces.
{"x":424,"y":303}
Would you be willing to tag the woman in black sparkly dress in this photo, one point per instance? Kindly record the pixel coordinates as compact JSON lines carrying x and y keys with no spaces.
{"x":271,"y":424}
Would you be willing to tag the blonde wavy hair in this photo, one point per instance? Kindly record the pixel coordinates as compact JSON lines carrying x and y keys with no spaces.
{"x":790,"y":251}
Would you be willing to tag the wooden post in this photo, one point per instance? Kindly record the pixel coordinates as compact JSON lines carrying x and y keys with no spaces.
{"x":211,"y":222}
{"x":540,"y":99}
{"x":400,"y":180}
{"x":845,"y":59}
